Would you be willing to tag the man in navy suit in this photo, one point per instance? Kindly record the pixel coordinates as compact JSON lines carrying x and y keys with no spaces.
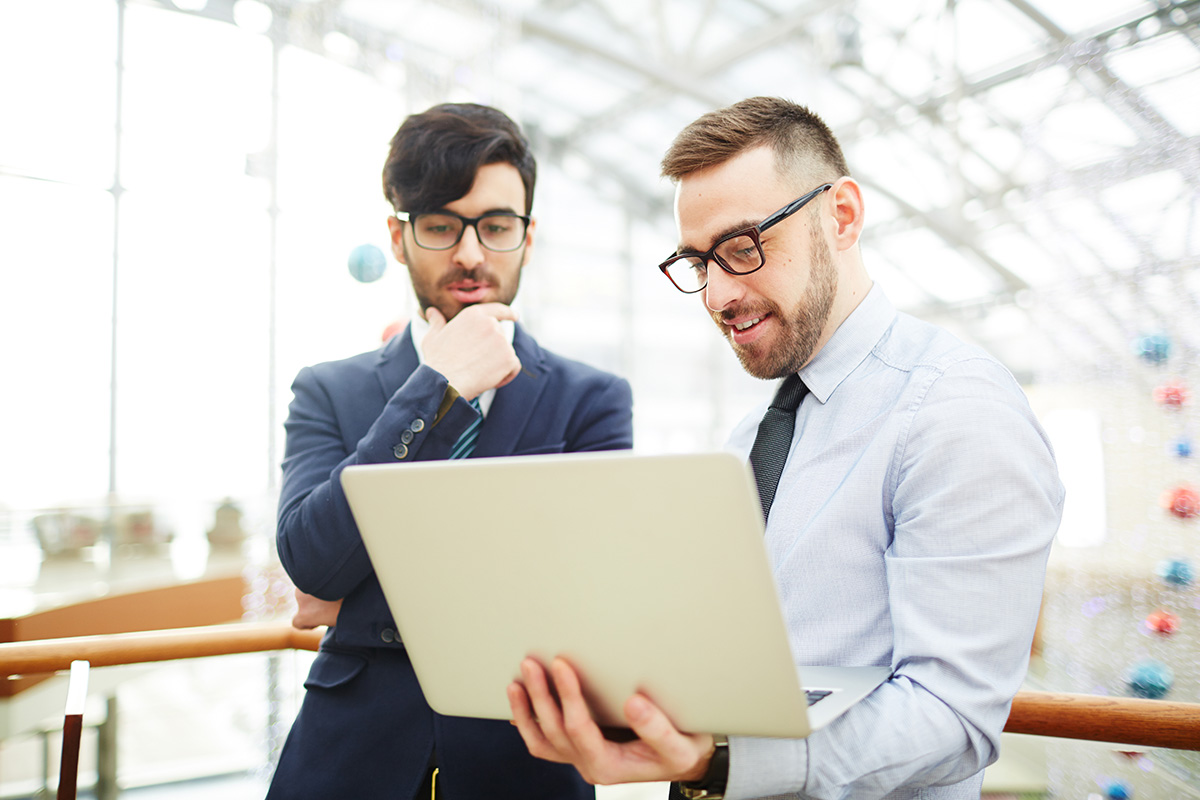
{"x":464,"y":380}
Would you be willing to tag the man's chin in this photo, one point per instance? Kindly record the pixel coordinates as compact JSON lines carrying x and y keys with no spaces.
{"x":762,"y":363}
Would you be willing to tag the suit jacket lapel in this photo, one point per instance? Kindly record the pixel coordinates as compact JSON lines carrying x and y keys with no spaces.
{"x":397,"y":360}
{"x":513,"y":406}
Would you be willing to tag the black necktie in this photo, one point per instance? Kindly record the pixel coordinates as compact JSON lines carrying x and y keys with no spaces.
{"x":774,"y":439}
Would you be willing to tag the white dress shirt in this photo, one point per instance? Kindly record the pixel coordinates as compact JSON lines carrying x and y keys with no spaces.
{"x":910,"y":529}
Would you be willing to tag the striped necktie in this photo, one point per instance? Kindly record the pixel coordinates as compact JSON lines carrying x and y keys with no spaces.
{"x":774,"y":439}
{"x":466,"y":442}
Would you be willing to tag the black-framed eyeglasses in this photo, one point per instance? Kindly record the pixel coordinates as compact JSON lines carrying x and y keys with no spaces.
{"x":738,"y":253}
{"x":500,"y":231}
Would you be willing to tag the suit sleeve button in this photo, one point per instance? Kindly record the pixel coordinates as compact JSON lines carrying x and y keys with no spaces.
{"x":407,"y":436}
{"x":400,"y":451}
{"x":388,"y":635}
{"x":417,"y":425}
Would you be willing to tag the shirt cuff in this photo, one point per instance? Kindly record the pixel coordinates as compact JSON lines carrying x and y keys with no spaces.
{"x":447,"y":400}
{"x":761,"y":767}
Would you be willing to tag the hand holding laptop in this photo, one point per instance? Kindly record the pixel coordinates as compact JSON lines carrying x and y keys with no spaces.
{"x":564,"y":731}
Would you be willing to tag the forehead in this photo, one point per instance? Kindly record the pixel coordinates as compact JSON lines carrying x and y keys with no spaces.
{"x":496,"y":186}
{"x":723,"y":198}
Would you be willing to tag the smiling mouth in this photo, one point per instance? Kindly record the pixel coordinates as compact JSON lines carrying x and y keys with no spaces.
{"x":741,"y":326}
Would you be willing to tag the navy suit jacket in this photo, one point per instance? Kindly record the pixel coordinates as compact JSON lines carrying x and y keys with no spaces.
{"x":364,"y":729}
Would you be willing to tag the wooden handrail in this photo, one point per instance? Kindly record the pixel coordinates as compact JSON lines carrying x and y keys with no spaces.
{"x":51,"y":655}
{"x":1120,"y":720}
{"x":1123,"y":720}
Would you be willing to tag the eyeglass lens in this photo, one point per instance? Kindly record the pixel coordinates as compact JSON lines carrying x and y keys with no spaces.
{"x":739,"y":255}
{"x":442,"y":231}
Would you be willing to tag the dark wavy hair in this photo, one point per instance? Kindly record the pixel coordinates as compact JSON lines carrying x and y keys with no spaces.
{"x":435,"y":154}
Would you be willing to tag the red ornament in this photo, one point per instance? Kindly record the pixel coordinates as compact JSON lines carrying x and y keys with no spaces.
{"x":395,"y":327}
{"x":1173,"y":394}
{"x":1163,"y":622}
{"x":1182,"y":501}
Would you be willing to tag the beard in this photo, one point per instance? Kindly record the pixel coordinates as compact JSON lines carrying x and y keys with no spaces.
{"x":433,"y":292}
{"x":800,"y":327}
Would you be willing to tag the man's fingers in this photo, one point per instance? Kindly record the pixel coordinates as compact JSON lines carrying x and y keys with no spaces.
{"x":435,"y":319}
{"x":495,"y":310}
{"x":679,"y":750}
{"x":527,"y":725}
{"x":596,"y":756}
{"x":545,"y":707}
{"x":652,"y":727}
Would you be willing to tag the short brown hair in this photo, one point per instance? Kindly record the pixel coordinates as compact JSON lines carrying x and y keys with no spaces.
{"x":801,"y":140}
{"x":435,"y":154}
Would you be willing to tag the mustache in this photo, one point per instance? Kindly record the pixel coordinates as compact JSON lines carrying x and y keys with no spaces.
{"x":477,"y":274}
{"x":729,"y":314}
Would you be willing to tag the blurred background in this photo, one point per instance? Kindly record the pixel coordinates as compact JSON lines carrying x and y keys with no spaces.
{"x":191,"y":211}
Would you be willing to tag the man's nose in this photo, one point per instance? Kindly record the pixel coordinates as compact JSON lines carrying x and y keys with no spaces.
{"x":722,"y":289}
{"x":469,"y":251}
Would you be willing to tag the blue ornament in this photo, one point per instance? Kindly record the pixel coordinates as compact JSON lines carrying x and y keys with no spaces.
{"x":1118,"y":790}
{"x":1154,"y":348}
{"x":1150,"y":679}
{"x":1182,"y":447}
{"x":367,"y":263}
{"x":1176,"y":572}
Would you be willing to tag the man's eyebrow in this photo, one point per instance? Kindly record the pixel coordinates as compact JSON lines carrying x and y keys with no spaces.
{"x":741,"y":226}
{"x":496,"y":210}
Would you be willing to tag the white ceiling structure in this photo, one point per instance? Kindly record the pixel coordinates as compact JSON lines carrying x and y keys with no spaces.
{"x":1032,"y":166}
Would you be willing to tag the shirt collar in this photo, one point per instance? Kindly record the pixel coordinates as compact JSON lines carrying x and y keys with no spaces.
{"x":852,"y":342}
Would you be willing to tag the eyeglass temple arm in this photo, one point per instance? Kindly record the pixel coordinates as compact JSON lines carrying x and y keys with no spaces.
{"x":792,"y":207}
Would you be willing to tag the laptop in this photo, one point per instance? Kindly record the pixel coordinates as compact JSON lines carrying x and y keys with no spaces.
{"x":647,"y":573}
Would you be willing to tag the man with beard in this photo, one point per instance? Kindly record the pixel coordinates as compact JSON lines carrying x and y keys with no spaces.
{"x":464,"y":380}
{"x":914,"y":513}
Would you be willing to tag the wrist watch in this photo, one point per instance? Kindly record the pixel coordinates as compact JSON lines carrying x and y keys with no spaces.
{"x":712,"y":785}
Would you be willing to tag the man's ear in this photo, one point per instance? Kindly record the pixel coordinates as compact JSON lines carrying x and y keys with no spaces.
{"x":848,"y":212}
{"x":396,"y":231}
{"x":528,"y":243}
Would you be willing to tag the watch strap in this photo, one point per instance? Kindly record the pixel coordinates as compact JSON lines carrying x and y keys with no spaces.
{"x":712,"y":785}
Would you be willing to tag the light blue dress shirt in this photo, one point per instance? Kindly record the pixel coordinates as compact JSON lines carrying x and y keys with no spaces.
{"x":911,"y":529}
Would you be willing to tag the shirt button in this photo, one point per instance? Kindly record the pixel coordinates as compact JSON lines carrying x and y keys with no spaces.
{"x":406,"y":437}
{"x":400,"y":451}
{"x":388,"y":635}
{"x":417,"y":425}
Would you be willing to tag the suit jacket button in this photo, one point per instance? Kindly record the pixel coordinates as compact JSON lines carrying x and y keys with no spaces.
{"x":406,"y":436}
{"x":417,"y":425}
{"x":400,"y":451}
{"x":388,"y":635}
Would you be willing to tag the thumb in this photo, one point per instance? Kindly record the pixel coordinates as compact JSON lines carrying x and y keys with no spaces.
{"x":435,"y":319}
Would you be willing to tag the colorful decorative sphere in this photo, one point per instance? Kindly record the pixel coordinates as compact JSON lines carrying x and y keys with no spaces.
{"x":1177,"y":572}
{"x":1162,"y":622}
{"x":1182,"y":447}
{"x":367,"y":263}
{"x":1182,"y":501}
{"x":1173,"y":394}
{"x":1150,"y":679}
{"x":1118,"y":790}
{"x":1154,"y":348}
{"x":393,"y":328}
